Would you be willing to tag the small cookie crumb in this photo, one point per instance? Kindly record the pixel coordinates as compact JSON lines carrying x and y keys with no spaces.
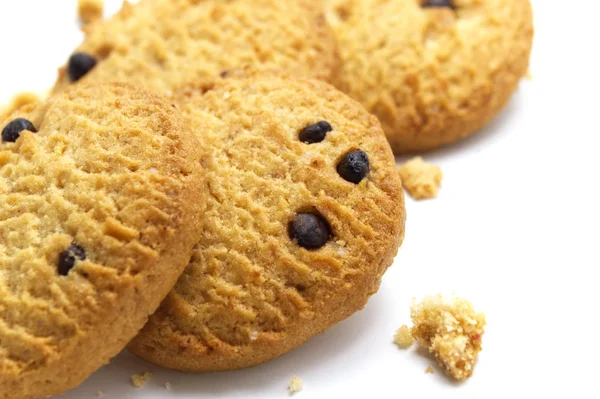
{"x":451,"y":330}
{"x":168,"y":386}
{"x":403,"y":337}
{"x":429,"y":370}
{"x":100,"y":394}
{"x":139,"y":380}
{"x":296,"y":385}
{"x":90,"y":10}
{"x":422,"y":180}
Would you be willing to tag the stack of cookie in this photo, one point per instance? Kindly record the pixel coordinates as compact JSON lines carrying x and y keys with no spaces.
{"x":197,"y":190}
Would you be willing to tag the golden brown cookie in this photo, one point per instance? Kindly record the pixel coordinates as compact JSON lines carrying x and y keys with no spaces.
{"x":433,"y":72}
{"x":163,"y":44}
{"x":101,"y":196}
{"x":305,"y":214}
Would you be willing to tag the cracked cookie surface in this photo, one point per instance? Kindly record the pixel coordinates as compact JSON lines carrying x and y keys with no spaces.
{"x":433,"y":72}
{"x":293,"y":243}
{"x":101,"y":194}
{"x":163,"y":44}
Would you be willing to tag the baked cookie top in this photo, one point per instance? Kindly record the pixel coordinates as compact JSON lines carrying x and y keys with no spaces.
{"x":305,"y":214}
{"x":432,"y":71}
{"x":163,"y":44}
{"x":101,"y":196}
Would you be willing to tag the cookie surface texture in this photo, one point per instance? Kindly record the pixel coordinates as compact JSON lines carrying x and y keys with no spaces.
{"x":101,"y":198}
{"x":432,"y":74}
{"x":290,"y":246}
{"x":163,"y":44}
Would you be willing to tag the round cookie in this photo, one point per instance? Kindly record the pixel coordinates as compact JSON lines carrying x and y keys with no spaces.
{"x":164,"y":44}
{"x":433,"y":72}
{"x":305,"y":214}
{"x":101,"y":195}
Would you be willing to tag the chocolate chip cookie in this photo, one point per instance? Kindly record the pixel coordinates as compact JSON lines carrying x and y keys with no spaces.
{"x":305,"y":214}
{"x":101,"y":194}
{"x":433,"y":72}
{"x":163,"y":44}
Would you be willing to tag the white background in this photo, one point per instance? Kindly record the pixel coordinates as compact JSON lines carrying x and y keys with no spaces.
{"x":516,"y":230}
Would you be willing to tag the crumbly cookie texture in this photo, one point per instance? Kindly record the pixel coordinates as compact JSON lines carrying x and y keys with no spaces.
{"x":450,"y":329}
{"x":24,"y":102}
{"x":101,"y":193}
{"x":306,"y":213}
{"x":163,"y":44}
{"x":90,"y":10}
{"x":403,"y":337}
{"x":432,"y":75}
{"x":139,"y":380}
{"x":422,"y":180}
{"x":296,"y":385}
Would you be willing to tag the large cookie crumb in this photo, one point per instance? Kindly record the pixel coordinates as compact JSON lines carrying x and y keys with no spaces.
{"x":90,"y":10}
{"x":296,"y":385}
{"x":139,"y":380}
{"x":403,"y":337}
{"x":422,"y":180}
{"x":451,"y":330}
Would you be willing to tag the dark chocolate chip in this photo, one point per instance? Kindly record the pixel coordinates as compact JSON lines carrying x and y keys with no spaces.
{"x":438,"y":4}
{"x":310,"y":230}
{"x":79,"y":65}
{"x":315,"y":133}
{"x":224,"y":74}
{"x":13,"y":130}
{"x":69,"y":257}
{"x":354,"y":166}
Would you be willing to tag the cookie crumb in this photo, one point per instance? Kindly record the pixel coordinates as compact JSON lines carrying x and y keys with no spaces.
{"x":296,"y":385}
{"x":100,"y":394}
{"x":422,"y":180}
{"x":450,"y":329}
{"x":168,"y":386}
{"x":403,"y":337}
{"x":90,"y":10}
{"x":139,"y":380}
{"x":429,"y":370}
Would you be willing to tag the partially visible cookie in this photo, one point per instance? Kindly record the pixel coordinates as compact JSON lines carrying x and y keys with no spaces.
{"x":101,"y":194}
{"x":305,"y":214}
{"x":433,"y":72}
{"x":163,"y":44}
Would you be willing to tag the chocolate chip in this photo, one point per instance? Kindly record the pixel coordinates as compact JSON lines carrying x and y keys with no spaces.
{"x":310,"y":230}
{"x":224,"y":74}
{"x":354,"y":166}
{"x":69,"y":257}
{"x":12,"y":131}
{"x":315,"y":133}
{"x":438,"y":3}
{"x":79,"y":65}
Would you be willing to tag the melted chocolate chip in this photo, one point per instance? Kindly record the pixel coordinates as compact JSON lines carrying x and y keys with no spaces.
{"x":79,"y":65}
{"x":12,"y":131}
{"x":69,"y":257}
{"x":354,"y":166}
{"x":309,"y":230}
{"x":315,"y":133}
{"x":438,"y":4}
